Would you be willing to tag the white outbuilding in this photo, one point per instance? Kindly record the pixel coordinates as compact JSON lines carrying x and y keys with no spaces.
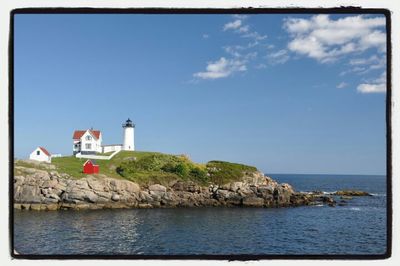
{"x":40,"y":154}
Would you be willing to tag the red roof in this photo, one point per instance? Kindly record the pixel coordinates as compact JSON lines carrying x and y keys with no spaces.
{"x":89,"y":162}
{"x":45,"y":151}
{"x":79,"y":133}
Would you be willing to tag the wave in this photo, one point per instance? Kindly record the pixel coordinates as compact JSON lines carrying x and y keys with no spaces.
{"x":378,"y":194}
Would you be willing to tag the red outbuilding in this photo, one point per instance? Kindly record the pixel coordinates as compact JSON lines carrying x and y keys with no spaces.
{"x":90,"y":168}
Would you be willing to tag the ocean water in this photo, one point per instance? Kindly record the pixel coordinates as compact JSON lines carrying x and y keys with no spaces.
{"x":358,"y":228}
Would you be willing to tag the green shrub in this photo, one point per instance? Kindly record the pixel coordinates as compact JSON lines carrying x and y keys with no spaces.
{"x":225,"y":172}
{"x":199,"y":174}
{"x":182,"y":169}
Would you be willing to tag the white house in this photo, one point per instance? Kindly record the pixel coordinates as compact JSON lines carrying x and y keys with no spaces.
{"x":40,"y":154}
{"x":87,"y":141}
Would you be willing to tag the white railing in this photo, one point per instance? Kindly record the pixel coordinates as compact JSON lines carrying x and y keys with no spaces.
{"x":96,"y":157}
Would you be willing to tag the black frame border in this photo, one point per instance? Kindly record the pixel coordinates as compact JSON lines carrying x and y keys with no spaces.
{"x":178,"y":11}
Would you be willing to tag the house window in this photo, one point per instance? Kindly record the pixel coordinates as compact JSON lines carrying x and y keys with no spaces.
{"x":76,"y":146}
{"x":37,"y":152}
{"x":88,"y":137}
{"x":88,"y":146}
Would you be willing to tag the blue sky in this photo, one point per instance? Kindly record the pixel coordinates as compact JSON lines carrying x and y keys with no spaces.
{"x":286,"y":93}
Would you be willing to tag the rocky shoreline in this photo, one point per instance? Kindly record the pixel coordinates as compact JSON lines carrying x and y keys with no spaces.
{"x":36,"y":189}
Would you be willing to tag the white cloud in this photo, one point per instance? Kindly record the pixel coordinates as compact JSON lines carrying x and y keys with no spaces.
{"x":222,"y":68}
{"x":279,"y":57}
{"x":254,"y":35}
{"x":325,"y":40}
{"x":342,"y":85}
{"x":206,"y":36}
{"x":371,"y":88}
{"x":243,"y":29}
{"x":234,"y":25}
{"x":362,"y":66}
{"x":376,"y":86}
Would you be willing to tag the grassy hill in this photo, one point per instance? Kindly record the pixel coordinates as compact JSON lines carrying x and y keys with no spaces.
{"x":154,"y":167}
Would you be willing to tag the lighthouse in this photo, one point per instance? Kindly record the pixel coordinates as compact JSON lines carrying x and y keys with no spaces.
{"x":129,"y":138}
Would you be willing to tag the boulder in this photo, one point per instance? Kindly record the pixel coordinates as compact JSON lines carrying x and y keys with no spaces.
{"x":287,"y":187}
{"x":41,"y":175}
{"x":234,"y":200}
{"x":50,"y":183}
{"x":253,"y":202}
{"x":157,"y":188}
{"x":156,"y":195}
{"x":103,"y":195}
{"x":265,"y":190}
{"x":145,"y":196}
{"x":223,"y":194}
{"x":54,"y":196}
{"x":355,"y":193}
{"x":115,"y":197}
{"x":91,"y":196}
{"x":96,"y":184}
{"x":119,"y":185}
{"x":328,"y":200}
{"x":28,"y":194}
{"x":19,"y":180}
{"x":81,"y":184}
{"x":49,"y":200}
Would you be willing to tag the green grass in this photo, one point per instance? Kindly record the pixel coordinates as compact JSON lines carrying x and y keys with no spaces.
{"x":155,"y":167}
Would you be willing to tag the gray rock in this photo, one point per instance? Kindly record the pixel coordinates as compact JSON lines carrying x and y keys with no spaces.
{"x":103,"y":194}
{"x":18,"y":180}
{"x":156,"y":195}
{"x":144,"y":196}
{"x":91,"y":196}
{"x":82,"y":184}
{"x":115,"y":197}
{"x":96,"y":184}
{"x":42,"y":175}
{"x":253,"y":202}
{"x":28,"y":194}
{"x":235,"y":200}
{"x":50,"y":200}
{"x":54,"y":196}
{"x":50,"y":183}
{"x":118,"y":185}
{"x":158,"y":188}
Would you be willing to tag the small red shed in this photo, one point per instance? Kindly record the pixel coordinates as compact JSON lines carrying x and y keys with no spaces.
{"x":90,"y":167}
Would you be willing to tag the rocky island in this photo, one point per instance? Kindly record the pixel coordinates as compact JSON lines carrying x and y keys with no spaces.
{"x":153,"y":180}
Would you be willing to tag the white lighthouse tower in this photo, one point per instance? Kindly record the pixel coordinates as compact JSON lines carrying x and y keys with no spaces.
{"x":129,"y":137}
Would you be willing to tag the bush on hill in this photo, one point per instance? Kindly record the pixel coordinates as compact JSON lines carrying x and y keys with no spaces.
{"x":178,"y":167}
{"x":224,"y":172}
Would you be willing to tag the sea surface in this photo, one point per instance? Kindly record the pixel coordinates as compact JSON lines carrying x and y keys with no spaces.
{"x":358,"y":228}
